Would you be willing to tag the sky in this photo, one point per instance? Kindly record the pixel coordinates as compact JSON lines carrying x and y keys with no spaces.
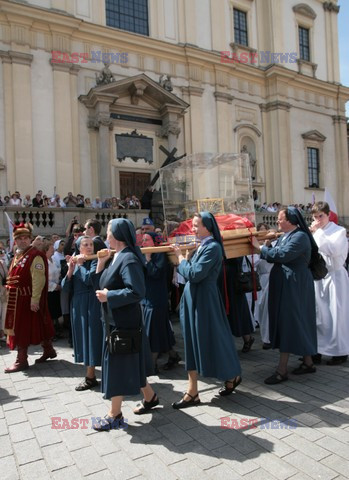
{"x":343,"y":34}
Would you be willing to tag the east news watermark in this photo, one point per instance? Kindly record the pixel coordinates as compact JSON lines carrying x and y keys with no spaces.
{"x":96,"y":56}
{"x":244,"y":423}
{"x":59,"y":423}
{"x":226,"y":423}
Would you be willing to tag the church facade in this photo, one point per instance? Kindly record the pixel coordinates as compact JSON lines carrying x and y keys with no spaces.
{"x":89,"y":91}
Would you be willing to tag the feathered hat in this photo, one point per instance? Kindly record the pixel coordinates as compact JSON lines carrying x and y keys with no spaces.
{"x":22,"y":229}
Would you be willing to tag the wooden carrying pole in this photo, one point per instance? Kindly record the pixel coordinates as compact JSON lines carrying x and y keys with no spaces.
{"x":236,"y":244}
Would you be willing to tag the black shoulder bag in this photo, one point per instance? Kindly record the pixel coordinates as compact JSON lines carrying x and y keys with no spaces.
{"x":123,"y":341}
{"x":247,"y":282}
{"x":317,"y":265}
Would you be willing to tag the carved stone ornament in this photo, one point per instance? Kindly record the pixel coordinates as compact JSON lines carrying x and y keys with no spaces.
{"x":331,"y":7}
{"x":100,"y":120}
{"x":105,"y":76}
{"x":171,"y":127}
{"x":165,"y":82}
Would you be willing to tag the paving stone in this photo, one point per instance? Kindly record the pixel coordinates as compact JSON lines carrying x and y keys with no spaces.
{"x":34,"y":471}
{"x":133,"y":450}
{"x":39,"y":419}
{"x":238,"y":440}
{"x":27,"y":451}
{"x":235,"y":460}
{"x":334,"y":446}
{"x":21,"y":433}
{"x":3,"y":427}
{"x":12,"y":405}
{"x":5,"y":446}
{"x":57,"y":456}
{"x":167,"y":451}
{"x":74,"y":439}
{"x":309,"y":466}
{"x":312,"y":449}
{"x":224,"y":472}
{"x":259,"y":474}
{"x":186,"y":470}
{"x":78,"y":409}
{"x":47,"y":436}
{"x":267,"y":442}
{"x":67,"y":473}
{"x":339,"y":434}
{"x":103,"y":475}
{"x":88,"y":461}
{"x":311,"y":434}
{"x":206,"y":438}
{"x":199,"y":455}
{"x":104,"y":444}
{"x":30,"y":406}
{"x":273,"y":465}
{"x":120,"y":466}
{"x":338,"y":464}
{"x":55,"y":408}
{"x":152,"y":467}
{"x":8,"y":469}
{"x":182,"y":420}
{"x":175,"y":434}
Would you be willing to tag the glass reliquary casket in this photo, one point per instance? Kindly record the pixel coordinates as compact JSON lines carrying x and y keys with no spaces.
{"x":217,"y":183}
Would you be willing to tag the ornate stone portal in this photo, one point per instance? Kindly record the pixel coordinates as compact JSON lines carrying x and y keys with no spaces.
{"x":136,"y":99}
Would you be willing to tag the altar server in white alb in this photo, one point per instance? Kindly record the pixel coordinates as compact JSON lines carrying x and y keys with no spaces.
{"x":331,"y":293}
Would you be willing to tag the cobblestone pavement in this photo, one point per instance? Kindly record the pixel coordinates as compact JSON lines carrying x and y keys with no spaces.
{"x":173,"y":444}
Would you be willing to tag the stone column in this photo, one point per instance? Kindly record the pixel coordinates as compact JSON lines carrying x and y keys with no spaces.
{"x":277,"y":151}
{"x":63,"y":128}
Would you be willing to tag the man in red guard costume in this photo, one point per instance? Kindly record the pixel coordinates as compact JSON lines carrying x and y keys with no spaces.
{"x":28,"y":321}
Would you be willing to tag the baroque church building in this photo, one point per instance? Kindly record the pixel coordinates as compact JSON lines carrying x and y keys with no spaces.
{"x":90,"y":89}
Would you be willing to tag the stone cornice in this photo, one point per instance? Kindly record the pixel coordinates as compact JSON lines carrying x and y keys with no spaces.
{"x":223,"y":97}
{"x":276,"y":105}
{"x":16,"y":57}
{"x":65,"y":67}
{"x":195,"y":91}
{"x":5,"y":57}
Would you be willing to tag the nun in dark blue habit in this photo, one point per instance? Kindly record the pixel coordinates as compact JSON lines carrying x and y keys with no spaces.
{"x":120,"y":288}
{"x":155,"y":304}
{"x":87,"y":330}
{"x":292,"y":317}
{"x":208,"y":343}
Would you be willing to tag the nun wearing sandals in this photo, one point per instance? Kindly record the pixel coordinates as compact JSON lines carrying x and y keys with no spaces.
{"x":208,"y":343}
{"x":120,"y":288}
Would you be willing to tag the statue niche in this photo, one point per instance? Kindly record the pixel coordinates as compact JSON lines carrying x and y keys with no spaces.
{"x":250,"y":150}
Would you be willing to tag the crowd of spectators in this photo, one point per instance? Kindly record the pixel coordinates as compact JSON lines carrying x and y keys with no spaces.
{"x":276,"y":207}
{"x":72,"y":201}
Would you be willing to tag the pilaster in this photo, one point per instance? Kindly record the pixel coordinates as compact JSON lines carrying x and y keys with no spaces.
{"x":277,"y":151}
{"x":196,"y":116}
{"x":64,"y":127}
